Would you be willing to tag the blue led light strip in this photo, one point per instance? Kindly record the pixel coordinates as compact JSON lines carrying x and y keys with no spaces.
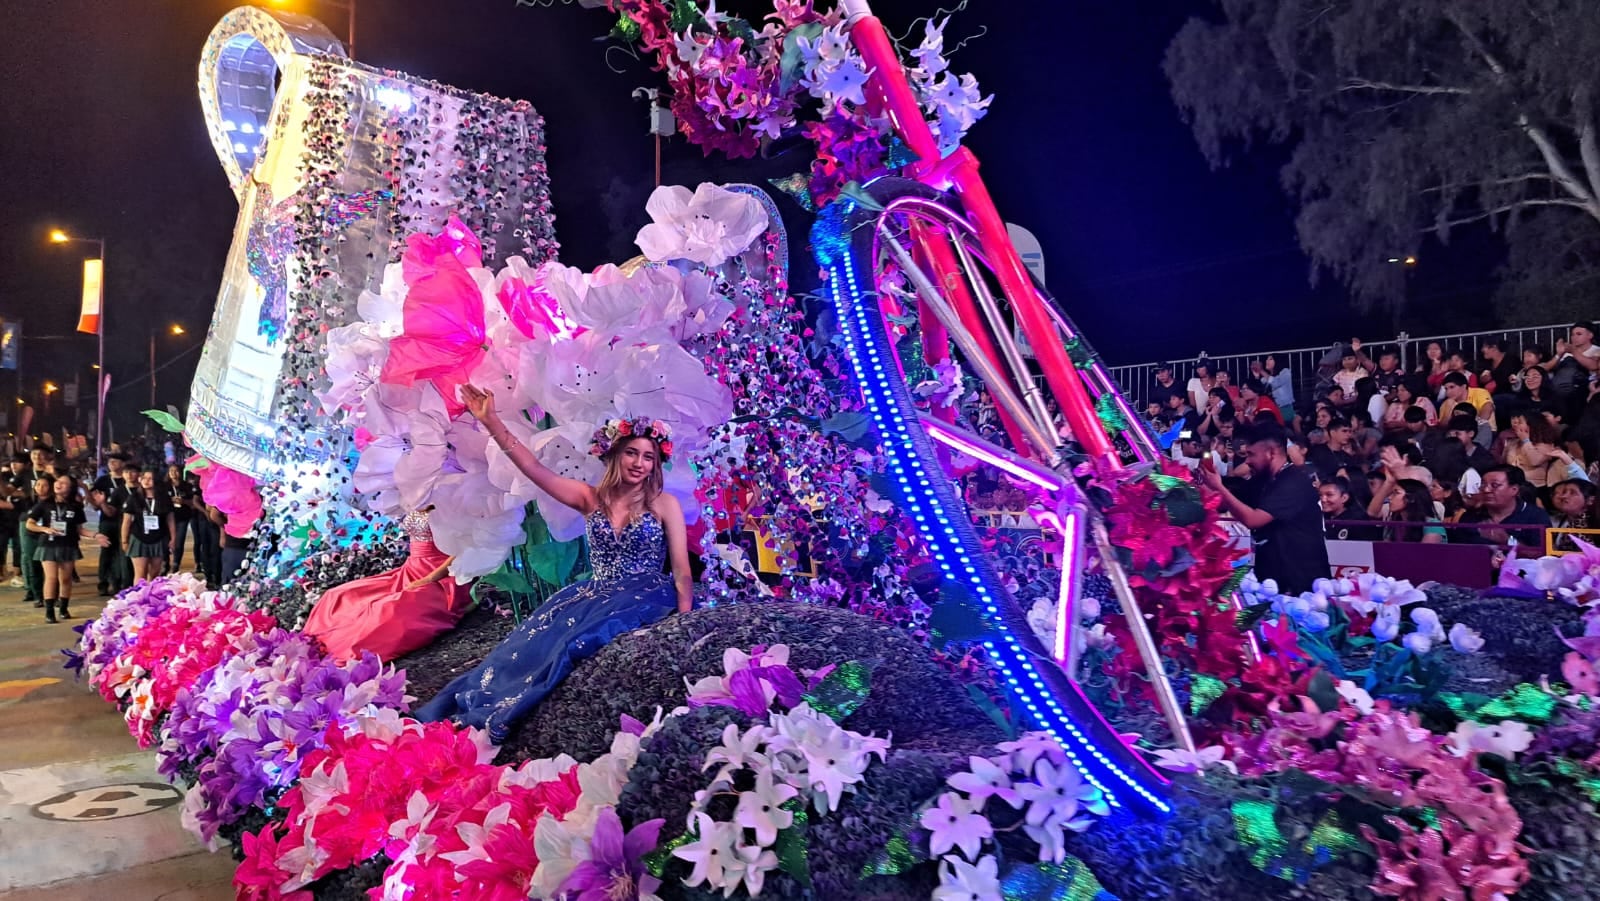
{"x":1089,"y":742}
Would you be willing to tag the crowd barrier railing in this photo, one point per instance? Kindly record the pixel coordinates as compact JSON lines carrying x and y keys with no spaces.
{"x":1304,"y":363}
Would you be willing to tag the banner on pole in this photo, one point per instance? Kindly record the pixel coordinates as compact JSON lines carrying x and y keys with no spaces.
{"x":93,"y":292}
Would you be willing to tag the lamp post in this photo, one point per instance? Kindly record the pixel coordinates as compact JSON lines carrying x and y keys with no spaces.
{"x":173,"y":329}
{"x":57,"y":236}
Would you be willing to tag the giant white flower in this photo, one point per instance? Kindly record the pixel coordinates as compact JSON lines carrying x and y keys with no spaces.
{"x":474,"y":523}
{"x":383,"y":310}
{"x":645,"y":305}
{"x":664,"y":381}
{"x":575,"y":380}
{"x":355,"y":359}
{"x":705,"y":307}
{"x":707,"y":227}
{"x":564,"y":450}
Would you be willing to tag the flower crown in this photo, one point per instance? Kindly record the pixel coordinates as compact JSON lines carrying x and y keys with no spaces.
{"x":616,"y":430}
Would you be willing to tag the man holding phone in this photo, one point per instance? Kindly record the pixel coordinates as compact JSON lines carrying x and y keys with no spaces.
{"x":1285,"y":522}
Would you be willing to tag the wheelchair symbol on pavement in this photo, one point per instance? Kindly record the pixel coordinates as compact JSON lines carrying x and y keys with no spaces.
{"x":108,"y":802}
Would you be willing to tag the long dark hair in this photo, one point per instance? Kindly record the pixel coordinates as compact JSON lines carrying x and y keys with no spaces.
{"x":610,"y":487}
{"x":1418,"y":509}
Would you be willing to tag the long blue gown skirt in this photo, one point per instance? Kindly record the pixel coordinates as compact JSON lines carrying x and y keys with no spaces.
{"x":628,"y":591}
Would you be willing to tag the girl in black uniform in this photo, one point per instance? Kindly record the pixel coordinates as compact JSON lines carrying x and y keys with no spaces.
{"x":56,"y":521}
{"x":146,"y":527}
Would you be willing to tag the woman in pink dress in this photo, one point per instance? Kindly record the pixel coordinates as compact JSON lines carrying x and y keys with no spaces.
{"x":397,"y":612}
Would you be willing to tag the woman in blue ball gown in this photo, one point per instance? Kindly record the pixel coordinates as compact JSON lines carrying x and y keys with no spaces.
{"x":632,"y":528}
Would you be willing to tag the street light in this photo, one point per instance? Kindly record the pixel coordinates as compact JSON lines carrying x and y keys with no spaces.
{"x":57,"y":236}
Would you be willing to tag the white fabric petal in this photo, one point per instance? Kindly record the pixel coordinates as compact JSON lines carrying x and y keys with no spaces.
{"x":666,"y":382}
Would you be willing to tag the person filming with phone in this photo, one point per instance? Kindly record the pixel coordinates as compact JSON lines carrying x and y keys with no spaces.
{"x":1285,"y":521}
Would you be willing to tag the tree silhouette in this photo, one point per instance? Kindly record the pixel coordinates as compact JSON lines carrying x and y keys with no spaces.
{"x":1406,"y":120}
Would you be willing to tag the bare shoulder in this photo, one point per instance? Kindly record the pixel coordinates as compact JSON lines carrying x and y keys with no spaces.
{"x":667,"y":508}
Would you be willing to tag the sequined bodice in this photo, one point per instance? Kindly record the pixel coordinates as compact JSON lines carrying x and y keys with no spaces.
{"x":415,"y":525}
{"x":641,"y":547}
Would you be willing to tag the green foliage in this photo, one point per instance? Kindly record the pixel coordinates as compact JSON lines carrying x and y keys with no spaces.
{"x":1405,"y":121}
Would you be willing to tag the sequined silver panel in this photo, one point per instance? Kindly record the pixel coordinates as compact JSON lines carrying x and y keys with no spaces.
{"x":415,"y":525}
{"x":640,"y":547}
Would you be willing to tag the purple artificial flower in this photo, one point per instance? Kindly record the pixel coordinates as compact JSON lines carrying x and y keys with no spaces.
{"x":615,"y":868}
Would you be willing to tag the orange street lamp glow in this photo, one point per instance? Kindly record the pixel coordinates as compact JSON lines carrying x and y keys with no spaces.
{"x":57,"y":236}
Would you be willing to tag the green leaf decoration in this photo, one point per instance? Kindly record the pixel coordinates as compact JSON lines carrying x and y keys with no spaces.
{"x":626,"y":29}
{"x":854,"y":427}
{"x":855,"y":192}
{"x":1526,"y":702}
{"x":797,"y":185}
{"x":900,"y":154}
{"x":656,"y":861}
{"x":1070,"y":880}
{"x":1164,"y":482}
{"x":507,"y":579}
{"x":842,"y":691}
{"x":1587,"y":781}
{"x":1240,"y":573}
{"x":1256,"y":827}
{"x":1323,"y":691}
{"x":685,"y":15}
{"x":1203,"y":692}
{"x":1182,"y":505}
{"x":792,"y":844}
{"x":792,"y":66}
{"x":1110,"y":414}
{"x":897,"y":856}
{"x":1080,"y":355}
{"x":1249,"y":616}
{"x":995,"y":711}
{"x":197,"y":464}
{"x":553,"y":561}
{"x":167,"y":421}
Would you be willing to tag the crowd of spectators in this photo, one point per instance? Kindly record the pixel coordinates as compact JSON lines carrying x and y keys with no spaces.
{"x":1452,"y":449}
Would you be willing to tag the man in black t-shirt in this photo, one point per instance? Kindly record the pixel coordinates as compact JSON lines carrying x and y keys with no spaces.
{"x":1164,"y":388}
{"x":1285,"y":522}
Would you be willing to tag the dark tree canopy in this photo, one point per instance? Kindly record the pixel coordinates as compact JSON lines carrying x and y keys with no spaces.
{"x":1406,"y":119}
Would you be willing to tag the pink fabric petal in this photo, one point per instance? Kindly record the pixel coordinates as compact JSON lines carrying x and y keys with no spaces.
{"x":444,"y":336}
{"x":232,"y":492}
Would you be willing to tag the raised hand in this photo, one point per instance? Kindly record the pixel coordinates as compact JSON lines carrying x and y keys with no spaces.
{"x":480,"y":403}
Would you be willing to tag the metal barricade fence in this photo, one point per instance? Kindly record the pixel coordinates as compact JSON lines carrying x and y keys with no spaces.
{"x":1308,"y":365}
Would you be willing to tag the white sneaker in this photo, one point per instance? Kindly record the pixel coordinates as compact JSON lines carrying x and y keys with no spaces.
{"x":16,"y":583}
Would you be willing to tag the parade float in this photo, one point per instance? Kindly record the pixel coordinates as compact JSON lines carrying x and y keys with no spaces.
{"x":907,"y":702}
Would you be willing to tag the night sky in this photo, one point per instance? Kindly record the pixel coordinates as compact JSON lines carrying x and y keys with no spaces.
{"x":1153,"y":253}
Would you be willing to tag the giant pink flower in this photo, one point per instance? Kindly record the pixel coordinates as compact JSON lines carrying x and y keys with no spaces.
{"x":232,"y":492}
{"x":444,"y":336}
